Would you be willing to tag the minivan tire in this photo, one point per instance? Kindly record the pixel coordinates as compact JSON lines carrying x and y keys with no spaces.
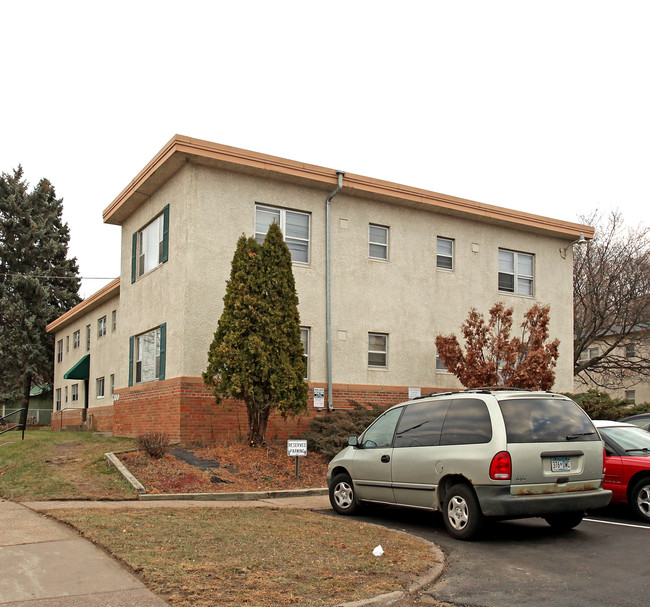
{"x":342,"y":496}
{"x":564,"y":521}
{"x":462,"y":513}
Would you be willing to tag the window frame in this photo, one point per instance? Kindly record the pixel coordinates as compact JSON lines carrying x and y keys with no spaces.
{"x":136,"y":353}
{"x":75,"y":393}
{"x":374,"y":243}
{"x":57,"y":399}
{"x":101,"y":327}
{"x":59,"y":351}
{"x":100,"y":383}
{"x":259,"y":236}
{"x":445,"y":256}
{"x":76,"y":339}
{"x":440,"y":364}
{"x":383,"y":352}
{"x":517,"y":276}
{"x":138,"y":257}
{"x":88,"y":331}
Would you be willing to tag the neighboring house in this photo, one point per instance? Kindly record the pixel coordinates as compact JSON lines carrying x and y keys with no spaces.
{"x":618,"y":370}
{"x":406,"y":264}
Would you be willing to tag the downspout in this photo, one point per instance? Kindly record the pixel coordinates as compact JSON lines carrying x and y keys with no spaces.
{"x":328,"y":289}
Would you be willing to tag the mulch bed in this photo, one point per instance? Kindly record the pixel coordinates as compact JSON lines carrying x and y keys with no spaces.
{"x":225,"y":469}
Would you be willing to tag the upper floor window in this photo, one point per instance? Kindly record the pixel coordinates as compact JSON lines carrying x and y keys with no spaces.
{"x":101,"y":327}
{"x":150,"y":246}
{"x":377,"y":242}
{"x":87,"y":338}
{"x":76,"y":340}
{"x":589,"y":353}
{"x":59,"y":351}
{"x":515,"y":272}
{"x":440,"y":364}
{"x":67,"y":343}
{"x":445,"y":253}
{"x":295,"y":226}
{"x":377,"y":350}
{"x":114,"y":320}
{"x":630,"y":350}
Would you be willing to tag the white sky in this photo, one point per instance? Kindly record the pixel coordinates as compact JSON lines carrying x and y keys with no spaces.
{"x":537,"y":106}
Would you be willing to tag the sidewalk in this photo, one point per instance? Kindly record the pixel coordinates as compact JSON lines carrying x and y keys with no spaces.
{"x":45,"y":564}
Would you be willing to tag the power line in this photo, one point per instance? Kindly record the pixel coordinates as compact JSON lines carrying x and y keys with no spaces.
{"x":16,"y":274}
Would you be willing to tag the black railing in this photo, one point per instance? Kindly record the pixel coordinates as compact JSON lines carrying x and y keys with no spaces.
{"x":19,"y":426}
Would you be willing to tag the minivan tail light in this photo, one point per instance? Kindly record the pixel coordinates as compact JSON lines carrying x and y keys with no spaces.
{"x":501,"y":467}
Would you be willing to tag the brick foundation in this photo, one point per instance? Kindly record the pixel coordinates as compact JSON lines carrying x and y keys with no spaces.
{"x":98,"y":419}
{"x":186,"y":411}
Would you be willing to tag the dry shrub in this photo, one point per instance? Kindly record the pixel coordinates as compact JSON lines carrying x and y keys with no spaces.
{"x":154,"y":444}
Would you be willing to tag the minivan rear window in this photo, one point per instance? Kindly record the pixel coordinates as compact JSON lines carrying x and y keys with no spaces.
{"x":546,"y":420}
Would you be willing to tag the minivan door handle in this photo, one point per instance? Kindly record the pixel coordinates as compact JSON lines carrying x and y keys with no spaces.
{"x":385,"y":458}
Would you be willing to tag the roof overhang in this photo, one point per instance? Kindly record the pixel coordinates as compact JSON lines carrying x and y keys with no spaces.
{"x":180,"y":150}
{"x":111,"y":290}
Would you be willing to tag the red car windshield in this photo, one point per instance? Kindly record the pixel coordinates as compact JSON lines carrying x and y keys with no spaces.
{"x":633,"y":441}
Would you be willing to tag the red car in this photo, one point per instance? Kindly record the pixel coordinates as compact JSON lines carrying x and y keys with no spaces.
{"x":627,"y":465}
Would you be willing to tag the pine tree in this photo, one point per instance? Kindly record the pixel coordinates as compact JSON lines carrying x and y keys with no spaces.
{"x":38,"y":283}
{"x":256,"y":354}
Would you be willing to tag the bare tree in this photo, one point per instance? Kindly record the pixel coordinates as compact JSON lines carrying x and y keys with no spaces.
{"x":611,"y":298}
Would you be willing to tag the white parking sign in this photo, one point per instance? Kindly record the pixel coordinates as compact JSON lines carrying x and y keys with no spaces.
{"x":296,"y":448}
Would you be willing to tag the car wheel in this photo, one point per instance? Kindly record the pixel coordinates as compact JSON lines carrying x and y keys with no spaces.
{"x":640,"y":499}
{"x":564,"y":520}
{"x":342,"y":495}
{"x":462,"y":513}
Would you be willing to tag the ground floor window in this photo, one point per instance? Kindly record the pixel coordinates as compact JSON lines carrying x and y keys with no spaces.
{"x":58,"y":399}
{"x":377,"y":349}
{"x":100,"y":387}
{"x":147,"y":356}
{"x":75,"y":393}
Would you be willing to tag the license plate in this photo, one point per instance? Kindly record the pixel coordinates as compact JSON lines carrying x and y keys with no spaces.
{"x":560,"y":464}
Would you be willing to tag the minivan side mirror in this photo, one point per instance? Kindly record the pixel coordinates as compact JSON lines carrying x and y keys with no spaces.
{"x":353,"y":441}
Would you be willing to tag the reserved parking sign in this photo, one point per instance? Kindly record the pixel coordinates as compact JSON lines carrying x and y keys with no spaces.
{"x":296,"y":448}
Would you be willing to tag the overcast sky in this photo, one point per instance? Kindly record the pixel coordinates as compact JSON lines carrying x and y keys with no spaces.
{"x":537,"y":106}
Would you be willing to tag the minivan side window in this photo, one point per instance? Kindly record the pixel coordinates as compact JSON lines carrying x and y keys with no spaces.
{"x":467,"y":423}
{"x":421,"y":424}
{"x":380,"y":434}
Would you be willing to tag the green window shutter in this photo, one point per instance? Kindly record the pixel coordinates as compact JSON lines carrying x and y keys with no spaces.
{"x":134,"y":250}
{"x":131,"y":344}
{"x":163,"y":349}
{"x":165,"y":243}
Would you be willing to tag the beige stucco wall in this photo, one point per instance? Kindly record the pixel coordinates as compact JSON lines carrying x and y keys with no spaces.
{"x":105,"y":355}
{"x":406,"y":297}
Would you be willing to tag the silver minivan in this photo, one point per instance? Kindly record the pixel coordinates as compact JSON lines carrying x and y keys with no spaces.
{"x":476,"y":454}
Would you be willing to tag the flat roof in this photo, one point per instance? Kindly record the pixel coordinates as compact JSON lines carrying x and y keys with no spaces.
{"x":181,"y":149}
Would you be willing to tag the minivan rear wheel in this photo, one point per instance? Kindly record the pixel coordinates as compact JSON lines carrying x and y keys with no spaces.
{"x":462,"y":513}
{"x":564,"y":521}
{"x":342,"y":495}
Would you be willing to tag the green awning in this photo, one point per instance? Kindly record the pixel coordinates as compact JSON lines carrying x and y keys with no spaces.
{"x":81,"y":369}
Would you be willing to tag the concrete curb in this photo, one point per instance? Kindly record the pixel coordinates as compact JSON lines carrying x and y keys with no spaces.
{"x":112,"y":460}
{"x":422,"y":581}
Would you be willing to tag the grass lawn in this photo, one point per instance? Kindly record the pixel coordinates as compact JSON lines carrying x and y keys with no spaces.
{"x":60,"y":465}
{"x":202,"y":557}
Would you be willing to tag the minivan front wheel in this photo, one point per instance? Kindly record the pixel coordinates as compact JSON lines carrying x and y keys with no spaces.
{"x":342,"y":495}
{"x":462,"y":513}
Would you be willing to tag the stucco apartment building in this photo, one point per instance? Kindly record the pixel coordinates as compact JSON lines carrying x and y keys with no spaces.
{"x":405,"y":264}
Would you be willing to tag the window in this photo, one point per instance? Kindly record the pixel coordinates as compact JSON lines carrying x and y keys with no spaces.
{"x":76,"y":339}
{"x":589,"y":353}
{"x":421,"y":424}
{"x":87,"y":338}
{"x":66,"y":395}
{"x":377,"y":349}
{"x":467,"y":423}
{"x":75,"y":393}
{"x":101,"y":327}
{"x":147,"y":356}
{"x":112,"y":383}
{"x":67,"y":343}
{"x":58,"y":399}
{"x":630,"y":396}
{"x":515,"y":272}
{"x":150,"y":246}
{"x":114,"y":320}
{"x":304,"y":338}
{"x":440,"y":364}
{"x":380,"y":434}
{"x":294,"y":225}
{"x":377,"y":242}
{"x":445,"y":254}
{"x":59,"y":351}
{"x":630,"y":351}
{"x":100,"y":387}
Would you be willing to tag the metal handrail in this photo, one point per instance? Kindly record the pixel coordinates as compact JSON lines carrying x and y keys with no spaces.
{"x":19,"y":426}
